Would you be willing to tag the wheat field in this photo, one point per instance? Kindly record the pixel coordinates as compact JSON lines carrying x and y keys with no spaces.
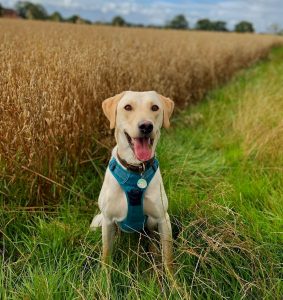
{"x":53,"y":78}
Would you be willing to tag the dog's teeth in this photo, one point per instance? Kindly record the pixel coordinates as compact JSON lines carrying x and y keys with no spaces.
{"x":148,"y":141}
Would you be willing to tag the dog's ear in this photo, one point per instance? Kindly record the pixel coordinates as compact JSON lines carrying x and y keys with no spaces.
{"x":109,"y":107}
{"x":168,"y":107}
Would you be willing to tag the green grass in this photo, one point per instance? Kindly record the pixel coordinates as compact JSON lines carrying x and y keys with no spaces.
{"x":226,"y":208}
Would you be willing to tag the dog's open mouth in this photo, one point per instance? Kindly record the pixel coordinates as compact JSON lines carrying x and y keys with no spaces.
{"x":141,"y":146}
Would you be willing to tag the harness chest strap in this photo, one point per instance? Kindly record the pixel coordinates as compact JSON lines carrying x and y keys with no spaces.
{"x":135,"y":219}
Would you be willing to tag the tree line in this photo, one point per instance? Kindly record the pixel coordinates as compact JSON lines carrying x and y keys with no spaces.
{"x":180,"y":22}
{"x":29,"y":10}
{"x":32,"y":11}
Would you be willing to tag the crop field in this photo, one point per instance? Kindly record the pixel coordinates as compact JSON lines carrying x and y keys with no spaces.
{"x":54,"y":77}
{"x":221,"y":161}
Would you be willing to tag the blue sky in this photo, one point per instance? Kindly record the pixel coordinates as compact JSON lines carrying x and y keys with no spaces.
{"x":262,"y":13}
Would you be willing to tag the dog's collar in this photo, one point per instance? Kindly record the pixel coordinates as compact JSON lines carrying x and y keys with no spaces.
{"x":140,"y":168}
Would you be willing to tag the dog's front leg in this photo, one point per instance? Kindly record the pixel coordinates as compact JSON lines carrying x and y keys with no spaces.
{"x":108,"y":232}
{"x":165,"y":231}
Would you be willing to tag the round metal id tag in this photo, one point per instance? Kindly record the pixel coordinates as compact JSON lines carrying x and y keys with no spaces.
{"x":142,"y":184}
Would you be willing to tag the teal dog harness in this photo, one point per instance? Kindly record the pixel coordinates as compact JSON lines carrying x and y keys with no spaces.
{"x":134,"y":184}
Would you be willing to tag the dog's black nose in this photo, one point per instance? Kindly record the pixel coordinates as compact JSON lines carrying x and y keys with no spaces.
{"x":145,"y":127}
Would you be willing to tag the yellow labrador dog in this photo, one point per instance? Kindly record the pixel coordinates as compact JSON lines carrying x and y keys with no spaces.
{"x":132,"y":195}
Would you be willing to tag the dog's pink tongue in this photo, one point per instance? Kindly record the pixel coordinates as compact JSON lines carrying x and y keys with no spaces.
{"x":142,"y":148}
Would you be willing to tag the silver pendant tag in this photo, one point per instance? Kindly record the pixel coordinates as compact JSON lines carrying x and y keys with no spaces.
{"x":142,"y":184}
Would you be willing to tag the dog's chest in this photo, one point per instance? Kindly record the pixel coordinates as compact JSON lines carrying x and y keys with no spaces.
{"x":113,"y":200}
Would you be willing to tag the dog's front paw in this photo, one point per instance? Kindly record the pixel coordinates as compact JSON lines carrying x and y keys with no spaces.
{"x":96,"y":222}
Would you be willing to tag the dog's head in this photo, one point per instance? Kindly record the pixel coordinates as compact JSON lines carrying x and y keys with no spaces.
{"x":137,"y":118}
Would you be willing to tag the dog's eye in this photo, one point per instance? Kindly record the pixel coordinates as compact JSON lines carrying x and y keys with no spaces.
{"x":154,"y":108}
{"x":128,"y":107}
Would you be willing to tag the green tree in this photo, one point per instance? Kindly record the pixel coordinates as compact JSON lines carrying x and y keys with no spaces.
{"x":204,"y":24}
{"x":1,"y":10}
{"x":219,"y":26}
{"x":76,"y":19}
{"x":56,"y":16}
{"x":118,"y":21}
{"x":73,"y":19}
{"x":178,"y":22}
{"x":244,"y":26}
{"x":28,"y":10}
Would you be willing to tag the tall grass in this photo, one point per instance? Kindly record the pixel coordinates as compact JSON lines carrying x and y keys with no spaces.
{"x":262,"y":131}
{"x":53,"y":78}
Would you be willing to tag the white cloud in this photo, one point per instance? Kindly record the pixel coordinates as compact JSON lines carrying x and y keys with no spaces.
{"x":262,"y":12}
